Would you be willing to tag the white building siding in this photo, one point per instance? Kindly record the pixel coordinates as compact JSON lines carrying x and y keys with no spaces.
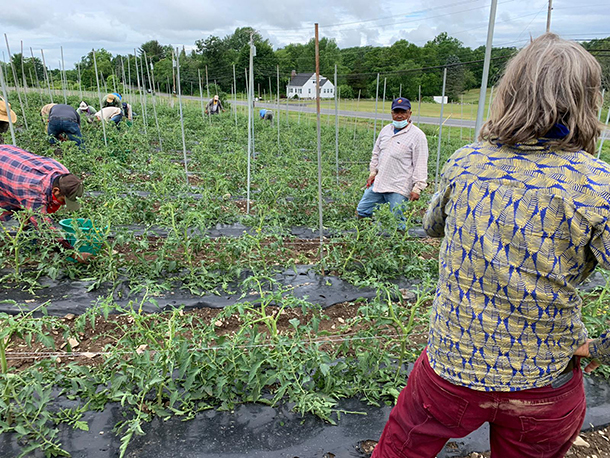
{"x":308,"y":90}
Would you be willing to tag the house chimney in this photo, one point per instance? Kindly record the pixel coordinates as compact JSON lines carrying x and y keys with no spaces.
{"x":293,"y":74}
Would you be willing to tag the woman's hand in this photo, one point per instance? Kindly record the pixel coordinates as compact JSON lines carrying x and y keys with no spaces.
{"x":583,"y":351}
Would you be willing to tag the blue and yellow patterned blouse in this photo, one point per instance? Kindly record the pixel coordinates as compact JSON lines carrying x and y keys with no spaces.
{"x":523,"y":226}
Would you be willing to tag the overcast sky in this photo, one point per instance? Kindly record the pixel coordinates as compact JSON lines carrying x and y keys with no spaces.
{"x":121,"y":26}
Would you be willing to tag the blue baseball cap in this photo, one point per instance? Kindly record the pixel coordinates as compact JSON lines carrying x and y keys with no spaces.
{"x":401,"y":103}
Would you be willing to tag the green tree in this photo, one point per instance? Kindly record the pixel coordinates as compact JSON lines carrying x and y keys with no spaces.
{"x":455,"y":77}
{"x":265,"y":62}
{"x":594,"y":46}
{"x":154,"y":50}
{"x":105,"y":67}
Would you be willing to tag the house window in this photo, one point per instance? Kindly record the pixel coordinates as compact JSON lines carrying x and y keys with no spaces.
{"x":310,"y":91}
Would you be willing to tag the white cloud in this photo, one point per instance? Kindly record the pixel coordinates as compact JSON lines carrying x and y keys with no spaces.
{"x":120,"y":27}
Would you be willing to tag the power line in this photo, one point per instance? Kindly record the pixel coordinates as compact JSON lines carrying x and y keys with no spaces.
{"x":393,"y":16}
{"x":396,"y":22}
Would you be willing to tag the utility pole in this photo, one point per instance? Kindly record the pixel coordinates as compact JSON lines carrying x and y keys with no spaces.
{"x":548,"y":17}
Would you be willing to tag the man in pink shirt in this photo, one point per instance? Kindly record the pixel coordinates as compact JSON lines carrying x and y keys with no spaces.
{"x":399,"y":165}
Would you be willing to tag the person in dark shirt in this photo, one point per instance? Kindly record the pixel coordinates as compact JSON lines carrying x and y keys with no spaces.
{"x":214,"y":106}
{"x":64,"y":120}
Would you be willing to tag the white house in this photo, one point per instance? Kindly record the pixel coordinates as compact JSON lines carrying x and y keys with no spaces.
{"x":303,"y":86}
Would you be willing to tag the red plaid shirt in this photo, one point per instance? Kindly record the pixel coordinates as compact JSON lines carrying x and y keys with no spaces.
{"x":26,"y":182}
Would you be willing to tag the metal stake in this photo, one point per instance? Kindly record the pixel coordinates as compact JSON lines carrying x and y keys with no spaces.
{"x":336,"y":125}
{"x":207,"y":87}
{"x":46,"y":75}
{"x":250,"y":119}
{"x":135,"y":55}
{"x":485,"y":76}
{"x":10,"y":59}
{"x":186,"y":170}
{"x":278,"y":109}
{"x":25,"y":82}
{"x":63,"y":75}
{"x":99,"y":96}
{"x":8,"y":110}
{"x":440,"y":129}
{"x":376,"y":100}
{"x":419,"y":108}
{"x":319,"y":132}
{"x":151,"y":85}
{"x":601,"y":145}
{"x":201,"y":94}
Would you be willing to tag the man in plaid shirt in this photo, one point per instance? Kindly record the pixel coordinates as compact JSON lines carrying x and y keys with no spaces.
{"x":35,"y":183}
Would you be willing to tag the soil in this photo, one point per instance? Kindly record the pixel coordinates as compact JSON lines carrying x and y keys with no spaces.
{"x":304,"y":250}
{"x":242,"y":206}
{"x":299,"y":248}
{"x":195,"y":181}
{"x":596,"y":445}
{"x":91,"y":343}
{"x":592,"y":444}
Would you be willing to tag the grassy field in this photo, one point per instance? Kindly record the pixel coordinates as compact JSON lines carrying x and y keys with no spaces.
{"x":468,"y":111}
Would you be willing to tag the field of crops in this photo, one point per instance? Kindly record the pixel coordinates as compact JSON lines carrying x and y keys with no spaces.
{"x":168,"y":233}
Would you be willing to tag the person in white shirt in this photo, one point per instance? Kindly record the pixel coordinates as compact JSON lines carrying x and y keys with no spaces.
{"x":399,"y":165}
{"x":113,"y":114}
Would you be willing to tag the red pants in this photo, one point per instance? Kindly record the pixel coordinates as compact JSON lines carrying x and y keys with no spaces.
{"x":541,"y":422}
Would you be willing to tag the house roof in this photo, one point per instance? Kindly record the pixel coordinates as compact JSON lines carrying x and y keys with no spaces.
{"x":300,"y":79}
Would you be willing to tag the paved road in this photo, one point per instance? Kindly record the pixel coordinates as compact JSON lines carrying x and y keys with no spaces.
{"x":358,"y":114}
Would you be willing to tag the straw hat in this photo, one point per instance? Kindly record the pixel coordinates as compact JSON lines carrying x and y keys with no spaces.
{"x":3,"y":113}
{"x":83,"y":106}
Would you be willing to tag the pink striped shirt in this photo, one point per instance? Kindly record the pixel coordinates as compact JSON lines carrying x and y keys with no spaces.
{"x":400,"y":160}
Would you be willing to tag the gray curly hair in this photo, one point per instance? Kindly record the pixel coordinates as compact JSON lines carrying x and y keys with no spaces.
{"x":549,"y":81}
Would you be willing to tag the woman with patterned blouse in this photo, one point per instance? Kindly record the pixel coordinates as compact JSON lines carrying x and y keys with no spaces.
{"x":525,"y":216}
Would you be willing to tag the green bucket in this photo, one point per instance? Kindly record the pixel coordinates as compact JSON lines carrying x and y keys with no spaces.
{"x":81,"y":234}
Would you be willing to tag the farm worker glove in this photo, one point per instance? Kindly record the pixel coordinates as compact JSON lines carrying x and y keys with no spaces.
{"x":370,"y":179}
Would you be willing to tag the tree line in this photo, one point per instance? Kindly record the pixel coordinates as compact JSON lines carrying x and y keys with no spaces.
{"x":404,"y":67}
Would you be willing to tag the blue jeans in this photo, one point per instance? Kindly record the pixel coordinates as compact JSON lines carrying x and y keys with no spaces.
{"x":371,"y":200}
{"x":59,"y":126}
{"x":116,"y":120}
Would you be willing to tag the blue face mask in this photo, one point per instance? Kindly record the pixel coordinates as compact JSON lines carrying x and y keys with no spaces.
{"x":400,"y":124}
